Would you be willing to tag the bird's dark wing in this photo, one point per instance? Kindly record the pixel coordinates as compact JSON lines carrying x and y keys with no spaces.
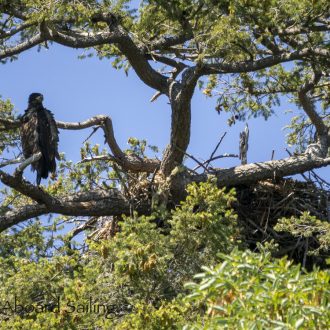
{"x":39,"y":133}
{"x":53,"y":133}
{"x":29,"y":134}
{"x":48,"y":141}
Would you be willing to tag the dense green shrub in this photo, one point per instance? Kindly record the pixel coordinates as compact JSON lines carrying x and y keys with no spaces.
{"x":254,"y":291}
{"x":140,"y":271}
{"x":136,"y":279}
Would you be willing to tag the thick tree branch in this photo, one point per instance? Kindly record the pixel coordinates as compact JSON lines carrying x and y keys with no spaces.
{"x":266,"y":62}
{"x":128,"y":162}
{"x":303,"y":30}
{"x":180,"y":97}
{"x":9,"y":33}
{"x":14,"y":217}
{"x":11,"y":162}
{"x":6,"y":52}
{"x":78,"y":39}
{"x":27,"y":189}
{"x":169,"y":41}
{"x":309,"y":108}
{"x":93,"y":203}
{"x":112,"y":202}
{"x":180,"y":129}
{"x":134,"y":54}
{"x":308,"y":105}
{"x":250,"y":173}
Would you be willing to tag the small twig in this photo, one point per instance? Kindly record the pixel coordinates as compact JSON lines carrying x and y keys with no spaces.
{"x":318,"y":178}
{"x":194,"y":159}
{"x":93,"y":132}
{"x":155,"y":96}
{"x":97,"y":158}
{"x":302,"y":174}
{"x":215,"y":158}
{"x":215,"y":149}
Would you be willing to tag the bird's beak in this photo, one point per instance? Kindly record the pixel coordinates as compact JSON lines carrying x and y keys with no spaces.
{"x":40,"y":98}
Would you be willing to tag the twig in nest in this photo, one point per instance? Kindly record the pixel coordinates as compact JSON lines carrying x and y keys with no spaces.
{"x":215,"y":149}
{"x":215,"y":158}
{"x":194,"y":159}
{"x":302,"y":174}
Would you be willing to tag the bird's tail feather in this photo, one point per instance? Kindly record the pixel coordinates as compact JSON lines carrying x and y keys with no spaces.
{"x":43,"y":167}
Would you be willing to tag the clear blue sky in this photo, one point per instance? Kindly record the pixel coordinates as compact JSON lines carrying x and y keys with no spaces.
{"x":75,"y":90}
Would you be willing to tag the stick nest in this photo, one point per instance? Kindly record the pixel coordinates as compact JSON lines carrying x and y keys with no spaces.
{"x":260,"y":206}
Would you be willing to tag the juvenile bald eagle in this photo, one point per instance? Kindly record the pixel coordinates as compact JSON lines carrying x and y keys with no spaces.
{"x":39,"y":133}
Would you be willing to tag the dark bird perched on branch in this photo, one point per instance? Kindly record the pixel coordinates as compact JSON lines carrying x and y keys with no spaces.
{"x":39,"y":133}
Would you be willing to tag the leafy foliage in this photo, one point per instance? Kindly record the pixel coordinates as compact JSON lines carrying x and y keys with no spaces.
{"x":311,"y":229}
{"x":135,"y":280}
{"x":141,"y":269}
{"x":254,"y":291}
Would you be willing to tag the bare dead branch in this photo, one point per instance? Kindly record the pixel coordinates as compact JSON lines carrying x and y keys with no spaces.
{"x":215,"y":149}
{"x":244,"y":144}
{"x":200,"y":164}
{"x":167,"y":61}
{"x":97,"y":159}
{"x":225,"y":155}
{"x":155,"y":96}
{"x":11,"y":162}
{"x":128,"y":162}
{"x":26,"y":163}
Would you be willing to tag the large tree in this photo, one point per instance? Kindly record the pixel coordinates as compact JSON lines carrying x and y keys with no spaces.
{"x":247,"y":53}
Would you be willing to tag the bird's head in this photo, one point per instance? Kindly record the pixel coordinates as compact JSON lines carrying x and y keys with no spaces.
{"x":36,"y":99}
